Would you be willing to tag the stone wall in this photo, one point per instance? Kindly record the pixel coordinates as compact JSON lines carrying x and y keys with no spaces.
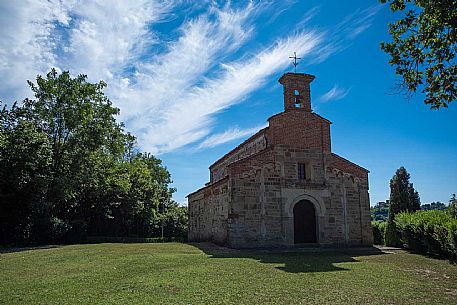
{"x":208,"y":213}
{"x":251,"y":146}
{"x":265,"y":187}
{"x":349,"y":167}
{"x":255,"y":210}
{"x":314,"y":188}
{"x":252,"y":206}
{"x":254,"y":188}
{"x":341,"y":200}
{"x":350,"y":207}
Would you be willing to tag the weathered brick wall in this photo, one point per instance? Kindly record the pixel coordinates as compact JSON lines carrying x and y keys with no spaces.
{"x":208,"y":213}
{"x":251,"y":146}
{"x":296,"y":92}
{"x":349,"y":167}
{"x":299,"y":128}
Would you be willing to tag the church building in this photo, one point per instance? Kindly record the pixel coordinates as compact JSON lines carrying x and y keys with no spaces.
{"x":283,"y":186}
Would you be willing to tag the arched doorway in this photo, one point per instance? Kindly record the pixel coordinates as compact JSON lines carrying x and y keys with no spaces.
{"x":304,"y":222}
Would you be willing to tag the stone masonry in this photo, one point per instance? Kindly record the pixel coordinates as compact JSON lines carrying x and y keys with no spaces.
{"x":284,"y":186}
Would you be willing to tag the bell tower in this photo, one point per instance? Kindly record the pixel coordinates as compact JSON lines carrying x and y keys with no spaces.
{"x":297,"y":91}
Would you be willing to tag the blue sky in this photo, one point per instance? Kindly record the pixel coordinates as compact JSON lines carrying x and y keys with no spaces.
{"x":193,"y":79}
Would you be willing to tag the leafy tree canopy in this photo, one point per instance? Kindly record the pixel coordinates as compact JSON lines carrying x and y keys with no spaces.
{"x":433,"y":206}
{"x":453,"y":206}
{"x":424,"y":47}
{"x":380,"y":211}
{"x":403,"y":197}
{"x":68,"y":169}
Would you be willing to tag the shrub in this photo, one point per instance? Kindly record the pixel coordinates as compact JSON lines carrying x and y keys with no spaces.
{"x":391,"y":235}
{"x":77,"y":232}
{"x":59,"y":229}
{"x":379,"y":229}
{"x":429,"y":232}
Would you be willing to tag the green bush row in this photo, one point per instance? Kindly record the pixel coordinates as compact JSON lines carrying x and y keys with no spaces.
{"x":111,"y":239}
{"x":429,"y":232}
{"x":379,"y":229}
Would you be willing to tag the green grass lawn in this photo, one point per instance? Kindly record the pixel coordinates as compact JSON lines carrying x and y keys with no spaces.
{"x":176,"y":273}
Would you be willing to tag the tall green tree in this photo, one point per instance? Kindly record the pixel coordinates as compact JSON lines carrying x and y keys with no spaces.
{"x":25,"y":157}
{"x":403,"y":197}
{"x":452,"y":208}
{"x":85,"y":141}
{"x":68,"y":169}
{"x":424,"y":47}
{"x":414,"y":199}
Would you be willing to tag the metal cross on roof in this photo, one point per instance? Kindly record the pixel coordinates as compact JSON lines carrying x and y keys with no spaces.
{"x":295,"y":62}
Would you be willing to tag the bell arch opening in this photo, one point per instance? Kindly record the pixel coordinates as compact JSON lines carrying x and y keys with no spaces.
{"x":305,"y":228}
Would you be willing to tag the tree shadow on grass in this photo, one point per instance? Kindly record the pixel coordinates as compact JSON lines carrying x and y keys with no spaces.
{"x":294,"y":260}
{"x":20,"y":249}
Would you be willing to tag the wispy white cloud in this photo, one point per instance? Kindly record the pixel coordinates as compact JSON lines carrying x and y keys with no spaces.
{"x":279,"y":8}
{"x":108,"y":36}
{"x":308,"y":16}
{"x":229,"y":135}
{"x":168,"y":98}
{"x":164,"y":116}
{"x":341,"y":35}
{"x":26,"y":42}
{"x":97,"y":38}
{"x":334,"y":94}
{"x":189,"y":117}
{"x":160,"y":83}
{"x":356,"y":23}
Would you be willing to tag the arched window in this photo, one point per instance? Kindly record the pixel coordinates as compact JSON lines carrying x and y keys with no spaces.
{"x":297,"y":102}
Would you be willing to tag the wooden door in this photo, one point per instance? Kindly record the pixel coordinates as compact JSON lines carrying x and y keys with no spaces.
{"x":304,"y":222}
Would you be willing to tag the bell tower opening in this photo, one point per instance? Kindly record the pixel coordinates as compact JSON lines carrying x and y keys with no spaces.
{"x":297,"y":91}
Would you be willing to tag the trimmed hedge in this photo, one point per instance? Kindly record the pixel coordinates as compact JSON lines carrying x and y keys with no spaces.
{"x":379,"y":229}
{"x":429,"y":232}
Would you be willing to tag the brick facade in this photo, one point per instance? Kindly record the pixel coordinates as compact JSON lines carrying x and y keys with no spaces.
{"x":253,"y":189}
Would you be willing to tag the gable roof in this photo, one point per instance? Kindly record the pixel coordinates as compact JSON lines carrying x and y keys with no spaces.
{"x":238,"y":147}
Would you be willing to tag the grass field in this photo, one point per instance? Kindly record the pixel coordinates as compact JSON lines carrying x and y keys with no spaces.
{"x":176,"y":273}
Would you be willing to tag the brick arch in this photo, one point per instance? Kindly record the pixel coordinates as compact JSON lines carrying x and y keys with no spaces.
{"x":317,"y":201}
